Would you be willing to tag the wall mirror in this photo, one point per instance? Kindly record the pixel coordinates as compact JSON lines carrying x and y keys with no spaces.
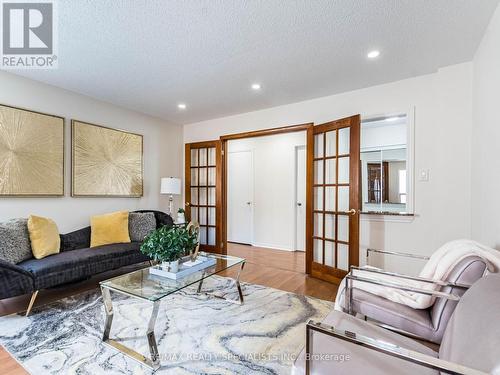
{"x":386,"y":164}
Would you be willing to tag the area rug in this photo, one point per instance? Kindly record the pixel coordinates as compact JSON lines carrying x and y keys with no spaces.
{"x":196,"y":333}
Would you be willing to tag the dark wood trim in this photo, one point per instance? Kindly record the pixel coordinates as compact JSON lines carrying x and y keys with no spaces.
{"x":309,"y":198}
{"x":224,"y":193}
{"x":264,"y":132}
{"x":204,"y":166}
{"x":327,"y":273}
{"x":336,"y":124}
{"x":219,"y":218}
{"x":308,"y":128}
{"x":187,"y":181}
{"x":354,"y":181}
{"x":339,"y":156}
{"x":326,"y":185}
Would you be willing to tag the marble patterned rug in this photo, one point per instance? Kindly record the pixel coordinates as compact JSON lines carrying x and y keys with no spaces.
{"x":196,"y":333}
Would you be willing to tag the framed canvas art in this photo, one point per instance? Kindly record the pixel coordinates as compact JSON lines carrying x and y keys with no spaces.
{"x":105,"y":162}
{"x":31,"y":153}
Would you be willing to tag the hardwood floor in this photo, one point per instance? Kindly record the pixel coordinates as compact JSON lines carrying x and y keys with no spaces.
{"x":278,"y":269}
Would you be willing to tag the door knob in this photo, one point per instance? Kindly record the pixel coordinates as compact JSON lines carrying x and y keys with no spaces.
{"x":352,"y":212}
{"x":249,"y":203}
{"x":299,"y":204}
{"x":188,"y":204}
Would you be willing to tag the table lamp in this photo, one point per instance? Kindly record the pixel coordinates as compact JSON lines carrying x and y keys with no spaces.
{"x":170,"y":186}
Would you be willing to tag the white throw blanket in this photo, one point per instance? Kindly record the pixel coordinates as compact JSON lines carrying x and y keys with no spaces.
{"x":438,"y":267}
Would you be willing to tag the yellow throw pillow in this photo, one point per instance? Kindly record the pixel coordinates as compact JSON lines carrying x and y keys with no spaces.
{"x":44,"y":236}
{"x":108,"y":229}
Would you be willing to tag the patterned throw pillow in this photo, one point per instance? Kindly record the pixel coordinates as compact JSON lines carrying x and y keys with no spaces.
{"x":140,"y":225}
{"x":15,"y":243}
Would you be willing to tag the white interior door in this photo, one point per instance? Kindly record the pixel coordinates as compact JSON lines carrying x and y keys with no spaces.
{"x":240,"y":197}
{"x":300,"y":199}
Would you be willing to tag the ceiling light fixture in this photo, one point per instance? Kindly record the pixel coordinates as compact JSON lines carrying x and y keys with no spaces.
{"x":256,"y":86}
{"x":373,"y":54}
{"x":181,"y":106}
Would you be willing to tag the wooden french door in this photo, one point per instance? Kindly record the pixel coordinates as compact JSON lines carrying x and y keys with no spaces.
{"x":335,"y":200}
{"x":203,"y":182}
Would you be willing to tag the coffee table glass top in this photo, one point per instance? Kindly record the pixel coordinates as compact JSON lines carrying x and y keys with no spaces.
{"x":142,"y":284}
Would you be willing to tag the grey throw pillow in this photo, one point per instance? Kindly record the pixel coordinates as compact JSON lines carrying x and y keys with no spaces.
{"x":15,"y":243}
{"x":140,"y":225}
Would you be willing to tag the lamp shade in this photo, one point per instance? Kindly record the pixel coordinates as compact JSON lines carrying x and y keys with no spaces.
{"x":170,"y":185}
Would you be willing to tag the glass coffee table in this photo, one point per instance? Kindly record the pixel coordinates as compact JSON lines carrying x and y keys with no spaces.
{"x":145,"y":286}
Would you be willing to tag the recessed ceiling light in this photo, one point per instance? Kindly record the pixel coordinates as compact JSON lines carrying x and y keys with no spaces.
{"x":373,"y":54}
{"x":181,"y":106}
{"x":256,"y":86}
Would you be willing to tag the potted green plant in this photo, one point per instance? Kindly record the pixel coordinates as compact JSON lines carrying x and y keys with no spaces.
{"x":181,"y":217}
{"x":167,"y":245}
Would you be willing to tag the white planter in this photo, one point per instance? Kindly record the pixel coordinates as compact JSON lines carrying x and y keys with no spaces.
{"x":170,"y":266}
{"x":181,"y":218}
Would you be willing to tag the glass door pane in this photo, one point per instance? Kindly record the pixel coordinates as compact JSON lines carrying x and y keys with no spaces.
{"x":202,"y":192}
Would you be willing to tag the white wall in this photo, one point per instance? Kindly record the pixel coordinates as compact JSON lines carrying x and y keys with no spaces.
{"x":274,"y":187}
{"x":442,"y":145}
{"x":486,"y":138}
{"x":162,"y":152}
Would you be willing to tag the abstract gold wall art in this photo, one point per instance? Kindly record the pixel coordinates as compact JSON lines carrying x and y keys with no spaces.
{"x":31,"y":153}
{"x":105,"y":162}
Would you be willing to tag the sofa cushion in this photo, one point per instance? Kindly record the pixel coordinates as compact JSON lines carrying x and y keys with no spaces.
{"x":109,"y":229}
{"x":359,"y":360}
{"x":140,"y":225}
{"x":44,"y":236}
{"x":416,"y":321}
{"x":161,"y":218}
{"x":79,"y":239}
{"x":78,"y":264}
{"x":15,"y":241}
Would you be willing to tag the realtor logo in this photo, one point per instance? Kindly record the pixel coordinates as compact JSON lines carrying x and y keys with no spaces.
{"x":28,"y":34}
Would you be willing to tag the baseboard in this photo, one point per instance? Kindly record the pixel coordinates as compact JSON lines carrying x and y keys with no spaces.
{"x":272,"y":246}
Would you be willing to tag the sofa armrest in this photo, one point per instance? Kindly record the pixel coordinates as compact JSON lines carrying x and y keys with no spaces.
{"x":386,"y":348}
{"x":14,"y":280}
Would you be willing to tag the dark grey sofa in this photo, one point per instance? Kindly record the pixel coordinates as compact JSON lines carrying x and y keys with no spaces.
{"x":76,"y":261}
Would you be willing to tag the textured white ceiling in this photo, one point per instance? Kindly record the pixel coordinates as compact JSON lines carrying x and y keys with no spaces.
{"x":149,"y":55}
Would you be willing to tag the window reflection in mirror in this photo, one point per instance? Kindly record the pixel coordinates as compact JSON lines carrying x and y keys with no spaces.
{"x":384,"y":171}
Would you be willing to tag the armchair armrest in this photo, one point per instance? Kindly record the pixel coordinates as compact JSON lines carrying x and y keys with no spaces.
{"x":14,"y":280}
{"x":350,"y":278}
{"x":385,"y":348}
{"x":416,"y":278}
{"x":406,"y":255}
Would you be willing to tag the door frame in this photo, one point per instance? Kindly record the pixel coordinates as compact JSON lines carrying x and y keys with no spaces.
{"x":296,"y":193}
{"x":308,"y":127}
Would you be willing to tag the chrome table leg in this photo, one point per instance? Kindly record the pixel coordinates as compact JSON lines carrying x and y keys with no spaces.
{"x":108,"y":307}
{"x":240,"y":292}
{"x":200,"y":284}
{"x":154,"y":361}
{"x":236,"y":282}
